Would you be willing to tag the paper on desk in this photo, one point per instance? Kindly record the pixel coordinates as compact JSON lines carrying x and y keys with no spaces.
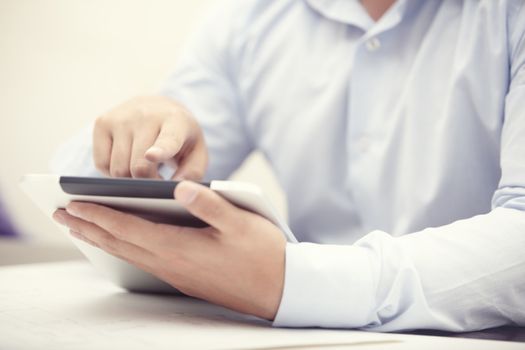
{"x":68,"y":306}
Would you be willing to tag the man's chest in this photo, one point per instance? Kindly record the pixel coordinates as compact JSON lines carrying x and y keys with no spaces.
{"x":300,"y":85}
{"x":403,"y":116}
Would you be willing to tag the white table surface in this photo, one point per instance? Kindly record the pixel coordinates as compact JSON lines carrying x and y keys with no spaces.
{"x":16,"y":251}
{"x":67,"y":305}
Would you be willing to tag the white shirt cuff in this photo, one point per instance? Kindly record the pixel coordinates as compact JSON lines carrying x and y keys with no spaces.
{"x":327,"y":286}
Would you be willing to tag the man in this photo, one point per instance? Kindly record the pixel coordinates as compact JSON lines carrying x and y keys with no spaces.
{"x":397,"y":130}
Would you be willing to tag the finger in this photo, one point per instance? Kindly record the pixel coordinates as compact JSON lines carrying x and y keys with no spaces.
{"x":169,"y":142}
{"x":145,"y":262}
{"x":120,"y":154}
{"x":126,"y":227}
{"x":101,"y":147}
{"x":98,"y":237}
{"x":140,"y":166}
{"x":208,"y":206}
{"x":193,"y":165}
{"x":79,"y":235}
{"x":135,"y":259}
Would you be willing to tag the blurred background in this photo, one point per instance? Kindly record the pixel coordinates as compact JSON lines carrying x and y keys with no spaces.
{"x":64,"y":62}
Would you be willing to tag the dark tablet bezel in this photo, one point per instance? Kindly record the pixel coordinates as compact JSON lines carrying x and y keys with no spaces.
{"x":132,"y":188}
{"x":119,"y":187}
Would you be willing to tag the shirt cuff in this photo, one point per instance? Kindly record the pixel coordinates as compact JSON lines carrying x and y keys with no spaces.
{"x":326,"y":286}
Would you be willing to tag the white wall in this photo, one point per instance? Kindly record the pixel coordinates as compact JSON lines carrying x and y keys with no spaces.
{"x":63,"y":62}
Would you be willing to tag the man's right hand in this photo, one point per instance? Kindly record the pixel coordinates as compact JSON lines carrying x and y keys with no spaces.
{"x":133,"y":139}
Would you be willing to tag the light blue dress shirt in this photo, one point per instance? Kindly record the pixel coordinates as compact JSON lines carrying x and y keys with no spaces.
{"x":400,"y":145}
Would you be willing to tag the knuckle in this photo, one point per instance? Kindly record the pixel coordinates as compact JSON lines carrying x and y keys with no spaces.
{"x":119,"y":172}
{"x":142,"y":169}
{"x":169,"y":134}
{"x":101,"y":122}
{"x":74,"y":226}
{"x":193,"y":174}
{"x":87,"y":240}
{"x":110,"y":243}
{"x":210,"y":210}
{"x":101,"y":164}
{"x":176,"y":141}
{"x":116,"y":230}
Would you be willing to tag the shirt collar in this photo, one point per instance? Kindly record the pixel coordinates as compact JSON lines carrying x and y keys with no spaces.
{"x":353,"y":13}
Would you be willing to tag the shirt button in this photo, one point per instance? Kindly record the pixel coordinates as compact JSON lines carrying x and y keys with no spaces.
{"x":373,"y":44}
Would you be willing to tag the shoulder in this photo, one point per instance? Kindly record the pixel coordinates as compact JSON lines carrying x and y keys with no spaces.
{"x":502,"y":12}
{"x":234,"y":20}
{"x":240,"y":26}
{"x":516,"y":26}
{"x":245,"y":12}
{"x":249,"y":16}
{"x":502,"y":22}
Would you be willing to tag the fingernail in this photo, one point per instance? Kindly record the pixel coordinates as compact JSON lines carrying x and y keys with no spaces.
{"x":186,"y":191}
{"x":58,"y":216}
{"x":73,"y":210}
{"x":77,"y":235}
{"x":155,"y":151}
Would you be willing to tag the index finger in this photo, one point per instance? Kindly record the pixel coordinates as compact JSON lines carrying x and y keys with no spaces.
{"x":169,"y":142}
{"x":140,"y":167}
{"x":126,"y":227}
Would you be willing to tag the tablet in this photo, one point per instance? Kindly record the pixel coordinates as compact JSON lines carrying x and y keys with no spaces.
{"x":149,"y":199}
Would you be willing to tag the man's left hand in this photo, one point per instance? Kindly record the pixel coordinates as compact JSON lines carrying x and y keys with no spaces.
{"x":237,"y":262}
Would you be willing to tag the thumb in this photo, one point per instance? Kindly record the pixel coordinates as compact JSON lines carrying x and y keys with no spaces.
{"x":207,"y":205}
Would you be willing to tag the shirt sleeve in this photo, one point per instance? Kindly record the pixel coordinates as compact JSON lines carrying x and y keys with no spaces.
{"x":205,"y":83}
{"x":467,"y":275}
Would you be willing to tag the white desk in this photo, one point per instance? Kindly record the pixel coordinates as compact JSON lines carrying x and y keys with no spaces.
{"x":15,"y":251}
{"x":67,"y":305}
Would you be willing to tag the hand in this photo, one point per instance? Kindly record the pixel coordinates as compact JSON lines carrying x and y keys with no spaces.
{"x":237,"y":262}
{"x":135,"y":137}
